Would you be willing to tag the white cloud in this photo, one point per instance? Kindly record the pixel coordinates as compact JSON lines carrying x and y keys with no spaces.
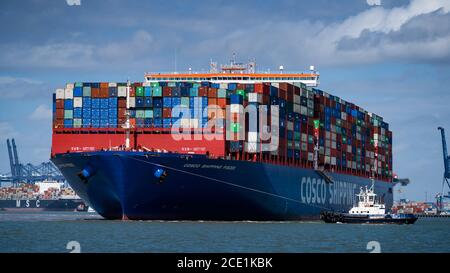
{"x":373,"y":2}
{"x":42,"y":112}
{"x":21,"y":88}
{"x":73,"y":54}
{"x":6,"y":131}
{"x":305,"y":42}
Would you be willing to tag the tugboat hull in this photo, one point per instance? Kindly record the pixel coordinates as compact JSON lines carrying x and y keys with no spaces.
{"x":336,"y":217}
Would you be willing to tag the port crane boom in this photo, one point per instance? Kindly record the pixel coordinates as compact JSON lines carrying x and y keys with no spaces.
{"x":446,"y":177}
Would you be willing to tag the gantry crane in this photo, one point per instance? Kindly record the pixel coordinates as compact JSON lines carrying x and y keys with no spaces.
{"x":29,"y":173}
{"x":441,"y":196}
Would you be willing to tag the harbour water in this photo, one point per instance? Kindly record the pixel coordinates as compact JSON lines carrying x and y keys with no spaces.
{"x":53,"y":231}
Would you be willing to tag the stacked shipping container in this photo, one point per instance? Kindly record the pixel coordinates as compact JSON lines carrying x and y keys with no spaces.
{"x":350,"y":139}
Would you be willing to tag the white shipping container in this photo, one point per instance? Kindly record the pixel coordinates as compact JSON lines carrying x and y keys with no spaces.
{"x":252,"y":147}
{"x":147,"y":84}
{"x":132,"y":102}
{"x":296,"y":99}
{"x":333,"y":160}
{"x":310,"y":157}
{"x":223,"y":85}
{"x":343,"y":116}
{"x":297,"y":108}
{"x":327,"y":160}
{"x":327,"y":135}
{"x":333,"y":144}
{"x":185,"y":123}
{"x":193,"y":123}
{"x":114,"y":84}
{"x":277,"y":85}
{"x":68,"y":93}
{"x":290,"y":126}
{"x":349,"y":149}
{"x":304,"y":137}
{"x":333,"y":136}
{"x":303,"y":110}
{"x":254,"y":97}
{"x":59,"y":94}
{"x":70,"y":86}
{"x":327,"y":151}
{"x":253,"y":136}
{"x":78,"y":102}
{"x":353,"y":165}
{"x":122,"y":91}
{"x":235,"y":108}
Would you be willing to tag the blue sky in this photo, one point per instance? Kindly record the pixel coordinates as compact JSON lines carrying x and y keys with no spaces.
{"x":392,"y":59}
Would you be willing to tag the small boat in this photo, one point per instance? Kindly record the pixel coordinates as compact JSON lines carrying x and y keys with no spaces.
{"x":368,"y":211}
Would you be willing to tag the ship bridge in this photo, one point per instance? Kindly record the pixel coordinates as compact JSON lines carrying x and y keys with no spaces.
{"x":237,"y":73}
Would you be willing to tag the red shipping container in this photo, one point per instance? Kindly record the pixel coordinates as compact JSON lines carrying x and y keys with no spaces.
{"x":222,"y":102}
{"x":122,"y":112}
{"x":104,"y":85}
{"x":212,"y":92}
{"x":132,"y":92}
{"x":137,"y":84}
{"x":212,"y":101}
{"x":60,"y":114}
{"x":59,"y":123}
{"x":104,"y":92}
{"x":203,"y":91}
{"x":59,"y":104}
{"x":95,"y":92}
{"x":167,"y":91}
{"x":122,"y":102}
{"x":167,"y":112}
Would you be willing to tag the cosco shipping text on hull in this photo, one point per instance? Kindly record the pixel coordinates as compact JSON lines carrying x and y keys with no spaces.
{"x":123,"y":185}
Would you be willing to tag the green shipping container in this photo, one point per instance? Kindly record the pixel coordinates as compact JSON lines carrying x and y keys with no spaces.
{"x":241,"y":92}
{"x":235,"y":127}
{"x":68,"y":114}
{"x":157,"y":91}
{"x":86,"y":91}
{"x":77,"y":123}
{"x":222,"y":93}
{"x":148,"y":113}
{"x":193,"y":92}
{"x":139,"y":91}
{"x":140,"y":114}
{"x":154,"y":84}
{"x":78,"y":84}
{"x":184,"y":101}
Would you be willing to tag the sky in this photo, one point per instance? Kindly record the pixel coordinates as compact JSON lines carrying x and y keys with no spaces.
{"x":391,"y":57}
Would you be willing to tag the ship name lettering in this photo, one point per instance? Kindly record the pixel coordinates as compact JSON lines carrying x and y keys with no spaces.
{"x":312,"y":190}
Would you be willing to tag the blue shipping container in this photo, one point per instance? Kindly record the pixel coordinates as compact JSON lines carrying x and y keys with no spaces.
{"x":68,"y":104}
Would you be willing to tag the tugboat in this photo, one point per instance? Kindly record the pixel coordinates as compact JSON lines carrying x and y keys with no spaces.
{"x":368,"y":211}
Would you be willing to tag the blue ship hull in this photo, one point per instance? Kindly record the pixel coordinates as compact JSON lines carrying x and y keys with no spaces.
{"x":124,"y":185}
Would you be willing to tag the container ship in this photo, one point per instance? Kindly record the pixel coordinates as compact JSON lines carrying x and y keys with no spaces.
{"x":227,"y":144}
{"x":41,"y":196}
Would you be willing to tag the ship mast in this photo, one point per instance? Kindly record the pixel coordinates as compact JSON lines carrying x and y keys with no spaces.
{"x":127,"y":115}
